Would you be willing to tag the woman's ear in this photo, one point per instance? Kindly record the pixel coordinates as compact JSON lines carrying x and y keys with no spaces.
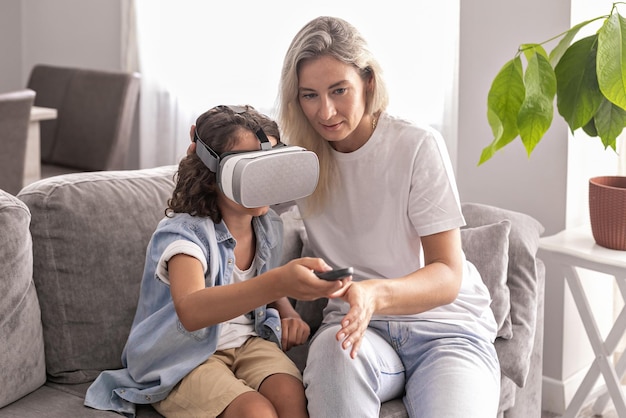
{"x":192,"y":130}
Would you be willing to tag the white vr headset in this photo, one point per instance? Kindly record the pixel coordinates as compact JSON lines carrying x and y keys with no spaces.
{"x":265,"y":177}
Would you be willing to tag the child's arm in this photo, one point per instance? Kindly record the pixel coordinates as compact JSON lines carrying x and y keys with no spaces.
{"x":198,"y":306}
{"x":295,"y":330}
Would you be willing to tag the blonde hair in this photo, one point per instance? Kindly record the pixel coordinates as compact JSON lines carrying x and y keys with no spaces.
{"x":334,"y":37}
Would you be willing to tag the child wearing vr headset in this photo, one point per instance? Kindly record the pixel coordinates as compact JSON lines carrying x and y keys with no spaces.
{"x":213,"y":317}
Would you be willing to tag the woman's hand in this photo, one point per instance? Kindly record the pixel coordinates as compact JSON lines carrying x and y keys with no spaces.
{"x":362,"y":299}
{"x":435,"y":284}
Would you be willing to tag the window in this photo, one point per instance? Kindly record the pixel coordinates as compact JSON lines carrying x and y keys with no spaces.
{"x":195,"y":54}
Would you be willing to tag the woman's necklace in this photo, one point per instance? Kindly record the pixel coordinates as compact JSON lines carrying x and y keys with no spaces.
{"x":374,"y":122}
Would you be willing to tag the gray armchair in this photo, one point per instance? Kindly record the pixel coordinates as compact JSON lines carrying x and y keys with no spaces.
{"x":14,"y":119}
{"x":95,"y":114}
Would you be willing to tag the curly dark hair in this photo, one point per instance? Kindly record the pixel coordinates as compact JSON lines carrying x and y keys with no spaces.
{"x":196,"y":188}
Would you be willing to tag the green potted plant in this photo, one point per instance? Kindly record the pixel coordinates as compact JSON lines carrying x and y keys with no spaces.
{"x":588,"y":78}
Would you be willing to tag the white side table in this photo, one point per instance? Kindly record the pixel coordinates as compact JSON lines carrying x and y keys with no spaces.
{"x":573,"y":248}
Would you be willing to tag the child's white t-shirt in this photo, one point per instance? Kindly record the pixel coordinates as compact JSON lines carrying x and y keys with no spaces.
{"x":395,"y":188}
{"x":234,"y":332}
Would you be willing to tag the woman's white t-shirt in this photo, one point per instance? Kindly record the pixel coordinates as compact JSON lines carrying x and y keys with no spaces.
{"x":395,"y":188}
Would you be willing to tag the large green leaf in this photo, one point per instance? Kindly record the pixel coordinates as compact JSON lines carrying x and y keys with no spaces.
{"x":503,"y":104}
{"x":535,"y":115}
{"x":559,"y":50}
{"x":611,"y":59}
{"x":609,"y":122}
{"x":578,"y":94}
{"x":520,"y":101}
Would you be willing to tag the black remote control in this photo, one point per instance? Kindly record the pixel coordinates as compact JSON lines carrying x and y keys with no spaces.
{"x":336,"y":274}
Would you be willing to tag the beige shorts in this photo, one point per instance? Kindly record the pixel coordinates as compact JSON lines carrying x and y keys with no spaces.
{"x":208,"y":389}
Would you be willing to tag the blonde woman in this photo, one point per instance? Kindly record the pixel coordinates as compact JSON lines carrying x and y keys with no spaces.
{"x":416,"y":320}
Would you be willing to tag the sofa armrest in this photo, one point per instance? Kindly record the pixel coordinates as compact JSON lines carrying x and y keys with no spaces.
{"x":22,"y":366}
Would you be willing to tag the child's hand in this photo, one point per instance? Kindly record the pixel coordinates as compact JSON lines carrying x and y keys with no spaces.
{"x":299,"y":281}
{"x":295,"y":332}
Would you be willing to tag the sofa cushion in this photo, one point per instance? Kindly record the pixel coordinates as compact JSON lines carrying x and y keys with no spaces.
{"x":293,"y":231}
{"x":90,"y":232}
{"x":515,"y":353}
{"x":295,"y":246}
{"x":487,"y":247}
{"x":22,"y":365}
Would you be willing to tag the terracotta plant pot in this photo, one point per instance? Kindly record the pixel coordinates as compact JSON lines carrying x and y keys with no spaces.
{"x":607,"y":210}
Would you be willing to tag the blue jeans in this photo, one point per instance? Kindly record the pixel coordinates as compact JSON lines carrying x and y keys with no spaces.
{"x":439,"y":370}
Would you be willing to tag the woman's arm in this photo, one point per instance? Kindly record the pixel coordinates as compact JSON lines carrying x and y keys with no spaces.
{"x":435,"y":284}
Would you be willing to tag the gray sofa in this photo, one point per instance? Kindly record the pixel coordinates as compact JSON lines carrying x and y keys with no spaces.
{"x":72,"y":251}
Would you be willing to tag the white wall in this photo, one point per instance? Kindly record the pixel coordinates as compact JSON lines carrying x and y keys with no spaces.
{"x":61,"y":32}
{"x":74,"y":33}
{"x":10,"y":46}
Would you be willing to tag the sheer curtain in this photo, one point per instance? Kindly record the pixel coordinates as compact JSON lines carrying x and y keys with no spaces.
{"x":195,"y":54}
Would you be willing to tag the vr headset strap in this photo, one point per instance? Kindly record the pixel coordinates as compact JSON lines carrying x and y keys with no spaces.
{"x":265,"y":142}
{"x":209,"y":158}
{"x":205,"y":155}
